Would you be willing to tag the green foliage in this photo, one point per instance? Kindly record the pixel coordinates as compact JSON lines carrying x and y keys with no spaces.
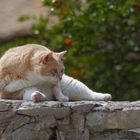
{"x":105,"y":50}
{"x":17,"y":42}
{"x":25,"y":18}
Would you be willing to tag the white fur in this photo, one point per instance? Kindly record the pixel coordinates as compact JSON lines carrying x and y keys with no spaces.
{"x":76,"y":90}
{"x":18,"y":85}
{"x":32,"y":79}
{"x":68,"y":89}
{"x":39,"y":79}
{"x":30,"y":92}
{"x":58,"y":93}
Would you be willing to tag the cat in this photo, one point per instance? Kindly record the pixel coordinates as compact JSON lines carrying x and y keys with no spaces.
{"x":34,"y":72}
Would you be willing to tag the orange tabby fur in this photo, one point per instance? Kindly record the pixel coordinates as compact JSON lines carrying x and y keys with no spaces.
{"x":16,"y":62}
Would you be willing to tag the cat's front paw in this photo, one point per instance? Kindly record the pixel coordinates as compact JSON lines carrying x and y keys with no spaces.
{"x":64,"y":99}
{"x":38,"y":96}
{"x":107,"y":97}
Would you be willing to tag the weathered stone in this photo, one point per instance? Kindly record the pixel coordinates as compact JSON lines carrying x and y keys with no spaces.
{"x":32,"y":111}
{"x":114,"y":135}
{"x":60,"y":113}
{"x":72,"y":135}
{"x":85,"y":135}
{"x":125,"y":119}
{"x":4,"y":107}
{"x":60,"y":135}
{"x":16,"y":122}
{"x":136,"y":130}
{"x":84,"y":106}
{"x":38,"y":109}
{"x":81,"y":106}
{"x":31,"y":132}
{"x":7,"y":137}
{"x":78,"y":122}
{"x":65,"y":124}
{"x":47,"y":121}
{"x":82,"y":120}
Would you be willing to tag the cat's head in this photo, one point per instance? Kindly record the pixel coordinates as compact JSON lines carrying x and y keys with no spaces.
{"x":49,"y":65}
{"x":53,"y":64}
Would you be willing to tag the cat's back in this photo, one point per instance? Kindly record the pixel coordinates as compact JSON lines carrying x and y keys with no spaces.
{"x":17,"y":60}
{"x":25,"y":49}
{"x":16,"y":54}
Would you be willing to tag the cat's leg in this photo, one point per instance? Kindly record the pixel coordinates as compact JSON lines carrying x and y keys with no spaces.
{"x":17,"y":85}
{"x":33,"y":94}
{"x":76,"y":90}
{"x":58,"y":93}
{"x":94,"y":96}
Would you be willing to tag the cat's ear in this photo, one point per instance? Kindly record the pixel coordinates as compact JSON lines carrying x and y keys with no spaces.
{"x":45,"y":58}
{"x":62,"y":54}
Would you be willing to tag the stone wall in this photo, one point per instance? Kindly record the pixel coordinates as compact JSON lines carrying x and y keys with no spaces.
{"x":82,"y":120}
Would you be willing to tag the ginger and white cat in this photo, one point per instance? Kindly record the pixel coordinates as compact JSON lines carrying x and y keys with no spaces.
{"x":33,"y":72}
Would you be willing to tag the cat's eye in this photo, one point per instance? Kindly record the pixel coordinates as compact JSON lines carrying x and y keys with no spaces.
{"x":62,"y":70}
{"x":54,"y":72}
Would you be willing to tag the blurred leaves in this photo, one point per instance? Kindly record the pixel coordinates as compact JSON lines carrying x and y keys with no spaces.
{"x":25,"y":18}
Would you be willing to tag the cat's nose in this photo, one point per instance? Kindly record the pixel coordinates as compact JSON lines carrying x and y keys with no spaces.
{"x":60,"y":77}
